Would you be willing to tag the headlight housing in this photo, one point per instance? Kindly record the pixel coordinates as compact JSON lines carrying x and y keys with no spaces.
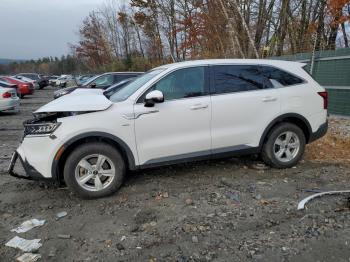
{"x":40,"y":129}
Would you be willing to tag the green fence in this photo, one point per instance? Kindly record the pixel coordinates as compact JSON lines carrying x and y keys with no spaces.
{"x":332,"y":70}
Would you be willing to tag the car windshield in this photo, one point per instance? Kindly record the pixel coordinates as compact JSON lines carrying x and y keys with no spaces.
{"x":135,"y":85}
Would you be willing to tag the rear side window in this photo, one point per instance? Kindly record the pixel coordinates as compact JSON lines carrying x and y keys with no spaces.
{"x":282,"y":77}
{"x":239,"y":78}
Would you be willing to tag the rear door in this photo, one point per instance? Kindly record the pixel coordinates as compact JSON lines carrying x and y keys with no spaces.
{"x":244,"y":102}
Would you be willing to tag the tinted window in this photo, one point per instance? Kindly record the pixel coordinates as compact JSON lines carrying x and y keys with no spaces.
{"x":238,"y":78}
{"x":31,"y":76}
{"x":121,"y":77}
{"x":183,"y":83}
{"x":280,"y":76}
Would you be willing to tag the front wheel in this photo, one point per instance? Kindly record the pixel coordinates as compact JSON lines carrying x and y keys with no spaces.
{"x":284,"y":147}
{"x":94,"y":170}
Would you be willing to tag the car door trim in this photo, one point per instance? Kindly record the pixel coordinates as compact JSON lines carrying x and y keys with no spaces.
{"x":136,"y":115}
{"x":201,"y":155}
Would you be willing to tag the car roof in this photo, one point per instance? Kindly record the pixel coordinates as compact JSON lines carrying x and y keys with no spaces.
{"x":277,"y":63}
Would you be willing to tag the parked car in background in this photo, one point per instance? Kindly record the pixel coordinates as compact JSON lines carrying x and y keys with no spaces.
{"x":24,"y":88}
{"x":114,"y":88}
{"x":107,"y":93}
{"x":63,"y":80}
{"x":5,"y":83}
{"x":8,"y":99}
{"x":52,"y":80}
{"x":42,"y":81}
{"x":26,"y":79}
{"x":103,"y":81}
{"x":82,"y":79}
{"x":173,"y":114}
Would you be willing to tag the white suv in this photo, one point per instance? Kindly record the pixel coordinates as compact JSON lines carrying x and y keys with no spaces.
{"x":175,"y":113}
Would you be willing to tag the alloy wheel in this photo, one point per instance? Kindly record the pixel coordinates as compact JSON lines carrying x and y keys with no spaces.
{"x":95,"y":172}
{"x":286,"y":146}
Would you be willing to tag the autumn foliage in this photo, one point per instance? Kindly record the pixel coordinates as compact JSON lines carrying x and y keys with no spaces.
{"x":145,"y":33}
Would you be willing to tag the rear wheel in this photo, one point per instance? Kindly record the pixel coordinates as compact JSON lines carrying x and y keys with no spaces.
{"x":94,"y":170}
{"x":284,"y":147}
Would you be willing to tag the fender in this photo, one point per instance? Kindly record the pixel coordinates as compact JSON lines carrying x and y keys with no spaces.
{"x":281,"y":118}
{"x":128,"y":153}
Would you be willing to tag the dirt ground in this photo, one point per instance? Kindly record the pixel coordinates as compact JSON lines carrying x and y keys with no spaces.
{"x":224,"y":210}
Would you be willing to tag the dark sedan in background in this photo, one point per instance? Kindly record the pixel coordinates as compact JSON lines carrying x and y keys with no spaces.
{"x":103,"y":81}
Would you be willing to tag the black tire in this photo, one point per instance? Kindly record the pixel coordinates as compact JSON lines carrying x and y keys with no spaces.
{"x":90,"y":149}
{"x":268,"y":155}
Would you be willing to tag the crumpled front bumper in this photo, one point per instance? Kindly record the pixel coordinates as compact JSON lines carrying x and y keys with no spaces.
{"x":31,"y":172}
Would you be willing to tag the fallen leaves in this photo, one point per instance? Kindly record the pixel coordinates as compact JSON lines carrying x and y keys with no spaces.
{"x":334,"y":146}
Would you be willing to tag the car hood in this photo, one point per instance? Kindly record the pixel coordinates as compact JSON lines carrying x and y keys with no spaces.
{"x":67,"y":89}
{"x":89,"y":102}
{"x":87,"y":91}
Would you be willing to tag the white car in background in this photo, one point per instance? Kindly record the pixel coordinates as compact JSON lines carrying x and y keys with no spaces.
{"x":63,"y":80}
{"x":175,"y":113}
{"x":8,"y":99}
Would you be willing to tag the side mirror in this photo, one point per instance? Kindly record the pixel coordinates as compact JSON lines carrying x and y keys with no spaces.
{"x":154,"y":97}
{"x":93,"y":85}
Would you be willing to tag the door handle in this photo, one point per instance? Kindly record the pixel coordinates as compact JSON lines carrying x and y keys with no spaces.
{"x":198,"y":107}
{"x":269,"y":99}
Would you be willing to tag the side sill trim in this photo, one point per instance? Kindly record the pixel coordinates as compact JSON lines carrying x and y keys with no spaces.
{"x":239,"y":150}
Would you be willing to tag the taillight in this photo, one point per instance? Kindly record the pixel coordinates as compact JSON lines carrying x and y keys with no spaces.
{"x":6,"y":95}
{"x":324,"y":95}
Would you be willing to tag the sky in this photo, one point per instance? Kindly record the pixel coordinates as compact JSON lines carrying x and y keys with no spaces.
{"x":31,"y":29}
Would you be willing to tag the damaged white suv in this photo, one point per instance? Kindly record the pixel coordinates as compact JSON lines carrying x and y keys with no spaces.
{"x":174,"y":113}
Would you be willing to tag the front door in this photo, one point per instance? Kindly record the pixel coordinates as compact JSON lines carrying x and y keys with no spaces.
{"x":179,"y":127}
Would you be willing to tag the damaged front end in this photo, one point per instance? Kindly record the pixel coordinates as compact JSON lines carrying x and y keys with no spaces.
{"x":39,"y":145}
{"x":42,"y":125}
{"x":45,"y":123}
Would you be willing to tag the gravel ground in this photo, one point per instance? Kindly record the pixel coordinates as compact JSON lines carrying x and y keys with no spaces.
{"x":224,"y":210}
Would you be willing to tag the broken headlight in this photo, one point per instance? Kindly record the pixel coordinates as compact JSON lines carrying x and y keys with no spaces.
{"x":40,"y":128}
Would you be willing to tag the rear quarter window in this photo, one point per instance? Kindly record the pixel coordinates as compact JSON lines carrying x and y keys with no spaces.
{"x":282,"y":77}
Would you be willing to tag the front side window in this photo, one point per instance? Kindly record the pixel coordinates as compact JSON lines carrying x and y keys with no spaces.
{"x":239,"y":78}
{"x":183,"y":83}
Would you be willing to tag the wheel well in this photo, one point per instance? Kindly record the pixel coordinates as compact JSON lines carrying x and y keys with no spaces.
{"x":293,"y":120}
{"x":67,"y":151}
